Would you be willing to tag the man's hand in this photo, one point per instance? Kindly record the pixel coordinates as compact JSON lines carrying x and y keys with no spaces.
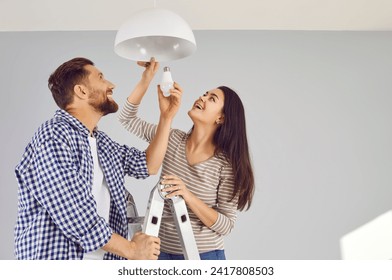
{"x":151,"y":69}
{"x":145,"y":247}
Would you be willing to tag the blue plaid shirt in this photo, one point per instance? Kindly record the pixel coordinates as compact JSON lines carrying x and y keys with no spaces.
{"x":57,"y":215}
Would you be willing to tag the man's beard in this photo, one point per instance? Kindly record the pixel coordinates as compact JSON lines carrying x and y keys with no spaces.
{"x":106,"y":107}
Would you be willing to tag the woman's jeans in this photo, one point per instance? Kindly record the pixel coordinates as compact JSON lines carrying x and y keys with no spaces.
{"x":211,"y":255}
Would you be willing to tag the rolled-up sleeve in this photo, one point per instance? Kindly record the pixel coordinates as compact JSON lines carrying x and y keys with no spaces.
{"x":135,"y":163}
{"x":131,"y":122}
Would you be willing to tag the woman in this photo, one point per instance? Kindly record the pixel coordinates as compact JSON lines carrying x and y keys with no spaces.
{"x":209,"y":166}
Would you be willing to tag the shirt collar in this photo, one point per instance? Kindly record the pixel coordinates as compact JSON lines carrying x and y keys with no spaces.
{"x":62,"y":114}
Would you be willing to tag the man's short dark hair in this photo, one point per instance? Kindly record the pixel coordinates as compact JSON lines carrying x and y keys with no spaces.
{"x":63,"y":80}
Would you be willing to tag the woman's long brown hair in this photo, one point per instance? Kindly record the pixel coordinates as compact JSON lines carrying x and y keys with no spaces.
{"x":231,"y":140}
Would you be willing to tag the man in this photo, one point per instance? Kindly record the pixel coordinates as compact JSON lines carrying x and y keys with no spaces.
{"x":71,"y":198}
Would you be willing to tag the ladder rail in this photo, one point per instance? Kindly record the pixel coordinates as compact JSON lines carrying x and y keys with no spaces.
{"x":153,"y":219}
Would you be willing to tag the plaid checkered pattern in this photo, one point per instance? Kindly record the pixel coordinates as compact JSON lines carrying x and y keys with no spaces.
{"x":57,"y":215}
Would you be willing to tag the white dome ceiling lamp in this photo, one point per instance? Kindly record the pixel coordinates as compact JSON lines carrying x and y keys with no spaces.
{"x":155,"y":32}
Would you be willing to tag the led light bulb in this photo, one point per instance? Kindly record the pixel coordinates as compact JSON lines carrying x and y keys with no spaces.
{"x":167,"y":81}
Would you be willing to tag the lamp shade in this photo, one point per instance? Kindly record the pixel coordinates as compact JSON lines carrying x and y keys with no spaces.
{"x":155,"y":33}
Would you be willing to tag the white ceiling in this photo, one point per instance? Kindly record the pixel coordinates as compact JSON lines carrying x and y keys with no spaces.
{"x":43,"y":15}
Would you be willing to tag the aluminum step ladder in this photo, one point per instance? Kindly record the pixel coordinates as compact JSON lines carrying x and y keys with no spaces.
{"x":153,"y":219}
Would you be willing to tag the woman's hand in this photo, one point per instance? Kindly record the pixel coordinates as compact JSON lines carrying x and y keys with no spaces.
{"x":208,"y":216}
{"x":151,"y":68}
{"x":175,"y":186}
{"x":169,"y":105}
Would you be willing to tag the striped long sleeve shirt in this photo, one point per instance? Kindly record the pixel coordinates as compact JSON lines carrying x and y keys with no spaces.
{"x":211,"y":180}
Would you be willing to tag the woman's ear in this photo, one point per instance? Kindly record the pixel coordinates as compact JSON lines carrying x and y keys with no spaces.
{"x":220,"y":120}
{"x":80,"y":91}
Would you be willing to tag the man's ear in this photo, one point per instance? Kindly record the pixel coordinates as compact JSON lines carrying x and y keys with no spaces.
{"x":80,"y":91}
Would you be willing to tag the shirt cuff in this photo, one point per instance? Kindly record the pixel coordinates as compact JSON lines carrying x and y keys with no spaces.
{"x":97,"y":236}
{"x":222,"y":225}
{"x":131,"y":106}
{"x":141,"y":169}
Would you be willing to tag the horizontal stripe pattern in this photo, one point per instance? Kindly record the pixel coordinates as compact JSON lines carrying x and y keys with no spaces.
{"x":211,"y":180}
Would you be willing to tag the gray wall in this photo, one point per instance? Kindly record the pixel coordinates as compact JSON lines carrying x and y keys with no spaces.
{"x":318,"y":108}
